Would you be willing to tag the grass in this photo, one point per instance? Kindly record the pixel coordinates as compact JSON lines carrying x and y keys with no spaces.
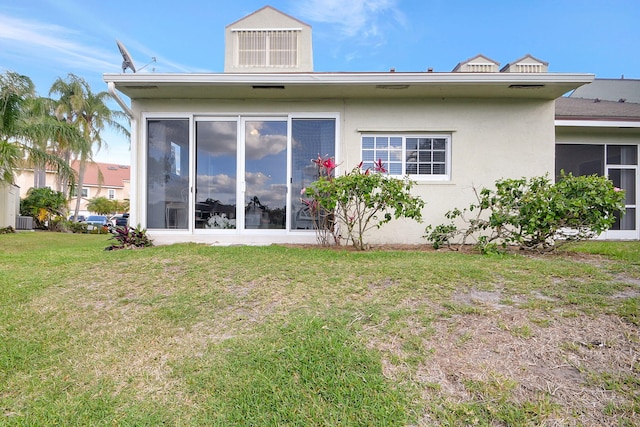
{"x":196,"y":335}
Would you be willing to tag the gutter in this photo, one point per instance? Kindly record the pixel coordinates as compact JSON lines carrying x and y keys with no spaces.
{"x":347,"y":78}
{"x":112,"y":90}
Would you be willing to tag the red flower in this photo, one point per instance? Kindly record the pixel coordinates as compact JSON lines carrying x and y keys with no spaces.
{"x":379,"y":166}
{"x":329,"y":164}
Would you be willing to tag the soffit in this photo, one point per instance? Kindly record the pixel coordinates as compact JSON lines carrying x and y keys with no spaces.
{"x":283,"y":86}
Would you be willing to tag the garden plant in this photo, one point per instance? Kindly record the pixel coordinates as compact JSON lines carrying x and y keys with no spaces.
{"x":534,"y":213}
{"x":361,"y":200}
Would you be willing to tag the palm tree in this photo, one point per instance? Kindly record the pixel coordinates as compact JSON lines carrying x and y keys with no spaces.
{"x":89,"y":113}
{"x":25,"y":128}
{"x":71,"y":99}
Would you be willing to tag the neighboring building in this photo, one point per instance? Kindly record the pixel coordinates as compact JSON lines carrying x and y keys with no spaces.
{"x":617,"y":90}
{"x":223,"y":157}
{"x":100,"y":180}
{"x":600,"y":136}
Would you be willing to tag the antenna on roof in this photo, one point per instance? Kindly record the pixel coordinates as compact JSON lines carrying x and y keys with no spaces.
{"x":127,"y":61}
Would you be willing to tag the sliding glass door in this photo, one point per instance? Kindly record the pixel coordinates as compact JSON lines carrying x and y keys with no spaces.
{"x":167,"y":173}
{"x":617,"y":162}
{"x":235,"y":174}
{"x":265,"y":174}
{"x":216,"y":172}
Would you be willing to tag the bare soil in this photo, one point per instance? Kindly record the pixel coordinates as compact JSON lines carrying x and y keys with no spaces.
{"x":586,"y":367}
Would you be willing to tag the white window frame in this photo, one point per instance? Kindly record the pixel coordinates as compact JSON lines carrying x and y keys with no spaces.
{"x":81,"y":193}
{"x":403,"y":154}
{"x":111,"y":194}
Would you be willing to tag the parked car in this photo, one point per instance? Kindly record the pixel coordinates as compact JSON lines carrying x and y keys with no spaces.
{"x":96,"y":221}
{"x":123,"y":220}
{"x":114,"y":218}
{"x":81,"y":218}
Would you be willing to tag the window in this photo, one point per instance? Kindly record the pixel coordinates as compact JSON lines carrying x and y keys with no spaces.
{"x":267,"y":48}
{"x":111,"y":194}
{"x":425,"y":157}
{"x":84,"y":193}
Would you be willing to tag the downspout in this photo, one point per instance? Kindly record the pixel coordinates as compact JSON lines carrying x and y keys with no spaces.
{"x":133,"y":168}
{"x":112,"y":90}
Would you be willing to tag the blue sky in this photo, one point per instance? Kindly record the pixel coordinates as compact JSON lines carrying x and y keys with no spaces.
{"x":49,"y":39}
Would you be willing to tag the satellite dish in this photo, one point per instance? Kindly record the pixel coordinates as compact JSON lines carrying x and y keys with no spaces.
{"x":127,"y":61}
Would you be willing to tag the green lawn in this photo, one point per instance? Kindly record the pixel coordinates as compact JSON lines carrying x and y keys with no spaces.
{"x":196,"y":335}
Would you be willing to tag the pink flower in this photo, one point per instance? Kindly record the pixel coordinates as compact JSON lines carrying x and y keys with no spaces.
{"x":329,"y":164}
{"x":616,"y":189}
{"x":303,"y":191}
{"x":379,"y":166}
{"x":325,"y":164}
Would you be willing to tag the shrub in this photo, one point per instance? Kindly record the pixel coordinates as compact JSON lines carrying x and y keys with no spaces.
{"x":130,"y":238}
{"x":77,"y":227}
{"x":361,"y":200}
{"x":7,"y":230}
{"x":43,"y":204}
{"x":534,"y":213}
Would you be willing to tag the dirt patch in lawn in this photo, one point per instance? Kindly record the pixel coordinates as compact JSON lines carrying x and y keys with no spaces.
{"x":585,"y":369}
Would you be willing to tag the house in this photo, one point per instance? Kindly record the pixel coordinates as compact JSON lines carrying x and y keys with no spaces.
{"x":238,"y":145}
{"x":598,"y":132}
{"x":100,"y":180}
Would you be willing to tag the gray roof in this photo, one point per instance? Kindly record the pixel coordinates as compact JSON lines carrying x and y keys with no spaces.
{"x":610,"y":90}
{"x":596,"y":109}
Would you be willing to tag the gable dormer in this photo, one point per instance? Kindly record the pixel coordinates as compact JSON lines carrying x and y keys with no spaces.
{"x":268,"y":41}
{"x":526,"y":64}
{"x":477,"y":64}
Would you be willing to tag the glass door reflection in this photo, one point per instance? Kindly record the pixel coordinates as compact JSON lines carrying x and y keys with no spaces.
{"x":216,"y":171}
{"x":265,"y":195}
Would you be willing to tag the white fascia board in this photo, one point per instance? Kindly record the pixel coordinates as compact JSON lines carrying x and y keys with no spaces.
{"x":347,"y":78}
{"x":598,"y":123}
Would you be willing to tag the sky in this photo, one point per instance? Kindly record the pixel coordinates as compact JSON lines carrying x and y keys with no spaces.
{"x":48,"y":39}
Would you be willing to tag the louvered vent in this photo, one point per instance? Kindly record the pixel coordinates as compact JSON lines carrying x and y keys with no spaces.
{"x":267,"y":48}
{"x":529,"y":68}
{"x":480,"y":68}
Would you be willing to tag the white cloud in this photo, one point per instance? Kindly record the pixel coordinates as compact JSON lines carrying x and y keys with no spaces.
{"x":51,"y":43}
{"x":361,"y":18}
{"x":260,"y":145}
{"x":60,"y":46}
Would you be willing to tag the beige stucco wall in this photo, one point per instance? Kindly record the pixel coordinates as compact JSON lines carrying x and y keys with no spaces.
{"x":597,"y":135}
{"x":491,"y":139}
{"x":9,"y":205}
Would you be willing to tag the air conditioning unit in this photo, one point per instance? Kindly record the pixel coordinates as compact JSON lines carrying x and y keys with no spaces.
{"x":24,"y":223}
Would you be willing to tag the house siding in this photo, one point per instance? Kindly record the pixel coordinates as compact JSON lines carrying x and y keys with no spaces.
{"x":490,"y":139}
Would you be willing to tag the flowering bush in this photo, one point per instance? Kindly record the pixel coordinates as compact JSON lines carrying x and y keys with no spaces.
{"x":534,"y":213}
{"x":361,"y":200}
